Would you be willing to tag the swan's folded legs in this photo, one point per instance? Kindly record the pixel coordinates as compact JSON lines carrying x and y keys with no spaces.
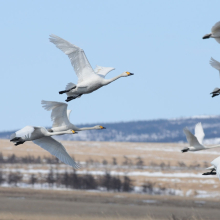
{"x":19,"y":142}
{"x":213,"y":172}
{"x":69,"y":98}
{"x":214,"y":94}
{"x":15,"y":139}
{"x":207,"y":36}
{"x":64,"y":91}
{"x":185,"y":150}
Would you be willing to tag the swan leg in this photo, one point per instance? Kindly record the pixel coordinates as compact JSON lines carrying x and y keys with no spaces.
{"x":19,"y":142}
{"x":185,"y":150}
{"x":213,"y":172}
{"x":69,"y":98}
{"x":15,"y":139}
{"x":207,"y":36}
{"x":214,"y":94}
{"x":64,"y":91}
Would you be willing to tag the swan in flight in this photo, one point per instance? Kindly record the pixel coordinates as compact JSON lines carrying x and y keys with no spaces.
{"x":60,"y":117}
{"x":195,"y":141}
{"x":89,"y":80}
{"x":215,"y":64}
{"x":215,"y":168}
{"x":215,"y":32}
{"x":41,"y":137}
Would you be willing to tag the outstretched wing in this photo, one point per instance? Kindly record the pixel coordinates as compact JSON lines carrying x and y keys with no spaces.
{"x":215,"y":64}
{"x":77,"y":57}
{"x":57,"y":149}
{"x":192,"y":140}
{"x":199,"y":133}
{"x":103,"y":71}
{"x":59,"y":114}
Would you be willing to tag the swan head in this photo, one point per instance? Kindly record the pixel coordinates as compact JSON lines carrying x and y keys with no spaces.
{"x":99,"y":127}
{"x":71,"y":132}
{"x":127,"y":74}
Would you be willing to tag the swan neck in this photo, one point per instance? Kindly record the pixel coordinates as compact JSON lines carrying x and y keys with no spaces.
{"x":86,"y":128}
{"x":107,"y":81}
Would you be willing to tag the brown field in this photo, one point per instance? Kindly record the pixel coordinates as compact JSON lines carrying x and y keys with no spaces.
{"x":199,"y":198}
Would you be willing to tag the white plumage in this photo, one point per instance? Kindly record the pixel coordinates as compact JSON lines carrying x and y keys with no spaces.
{"x":41,"y":137}
{"x":60,"y":117}
{"x":89,"y":80}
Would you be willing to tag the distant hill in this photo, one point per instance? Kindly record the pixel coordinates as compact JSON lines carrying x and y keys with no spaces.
{"x":161,"y":130}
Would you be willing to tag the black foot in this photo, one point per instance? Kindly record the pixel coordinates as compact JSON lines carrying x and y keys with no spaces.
{"x":185,"y":150}
{"x":69,"y":98}
{"x":210,"y":173}
{"x":64,"y":91}
{"x":207,"y":36}
{"x":214,"y":94}
{"x":15,"y":139}
{"x":19,"y":142}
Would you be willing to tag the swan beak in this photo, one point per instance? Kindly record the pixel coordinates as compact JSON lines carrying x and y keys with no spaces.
{"x":130,"y":74}
{"x":102,"y":127}
{"x":74,"y":132}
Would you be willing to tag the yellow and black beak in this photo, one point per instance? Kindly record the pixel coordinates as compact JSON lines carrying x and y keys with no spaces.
{"x":130,"y":74}
{"x":102,"y":127}
{"x":74,"y":132}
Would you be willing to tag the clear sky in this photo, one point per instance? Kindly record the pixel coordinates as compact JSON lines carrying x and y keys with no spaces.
{"x":160,"y":41}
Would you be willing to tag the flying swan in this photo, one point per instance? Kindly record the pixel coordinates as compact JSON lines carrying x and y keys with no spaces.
{"x":215,"y":32}
{"x":41,"y":137}
{"x":215,"y":168}
{"x":195,"y":141}
{"x":89,"y":80}
{"x":215,"y":64}
{"x":60,"y":117}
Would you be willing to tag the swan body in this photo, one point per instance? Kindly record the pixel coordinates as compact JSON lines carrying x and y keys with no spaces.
{"x":41,"y":137}
{"x":60,"y":117}
{"x":89,"y":80}
{"x":215,"y":33}
{"x":215,"y":64}
{"x":195,"y":141}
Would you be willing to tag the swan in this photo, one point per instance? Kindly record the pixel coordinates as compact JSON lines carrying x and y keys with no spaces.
{"x":215,"y":168}
{"x":60,"y":117}
{"x":215,"y":32}
{"x":215,"y":64}
{"x":41,"y":137}
{"x":89,"y":80}
{"x":195,"y":141}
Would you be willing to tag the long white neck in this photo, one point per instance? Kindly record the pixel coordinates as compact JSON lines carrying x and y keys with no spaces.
{"x":107,"y":81}
{"x":87,"y":128}
{"x":213,"y":146}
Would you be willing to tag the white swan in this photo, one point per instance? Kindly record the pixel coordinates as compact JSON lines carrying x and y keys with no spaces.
{"x":89,"y":80}
{"x":41,"y":137}
{"x":215,"y":168}
{"x":215,"y":32}
{"x":195,"y":141}
{"x":60,"y":117}
{"x":215,"y":64}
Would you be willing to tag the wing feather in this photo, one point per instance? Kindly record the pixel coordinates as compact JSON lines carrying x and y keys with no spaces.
{"x":59,"y":114}
{"x":56,"y":149}
{"x":192,"y":140}
{"x":103,"y":71}
{"x":77,"y":57}
{"x":199,"y":133}
{"x":215,"y":64}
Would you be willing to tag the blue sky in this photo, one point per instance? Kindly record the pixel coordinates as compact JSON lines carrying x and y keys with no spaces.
{"x":160,"y":41}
